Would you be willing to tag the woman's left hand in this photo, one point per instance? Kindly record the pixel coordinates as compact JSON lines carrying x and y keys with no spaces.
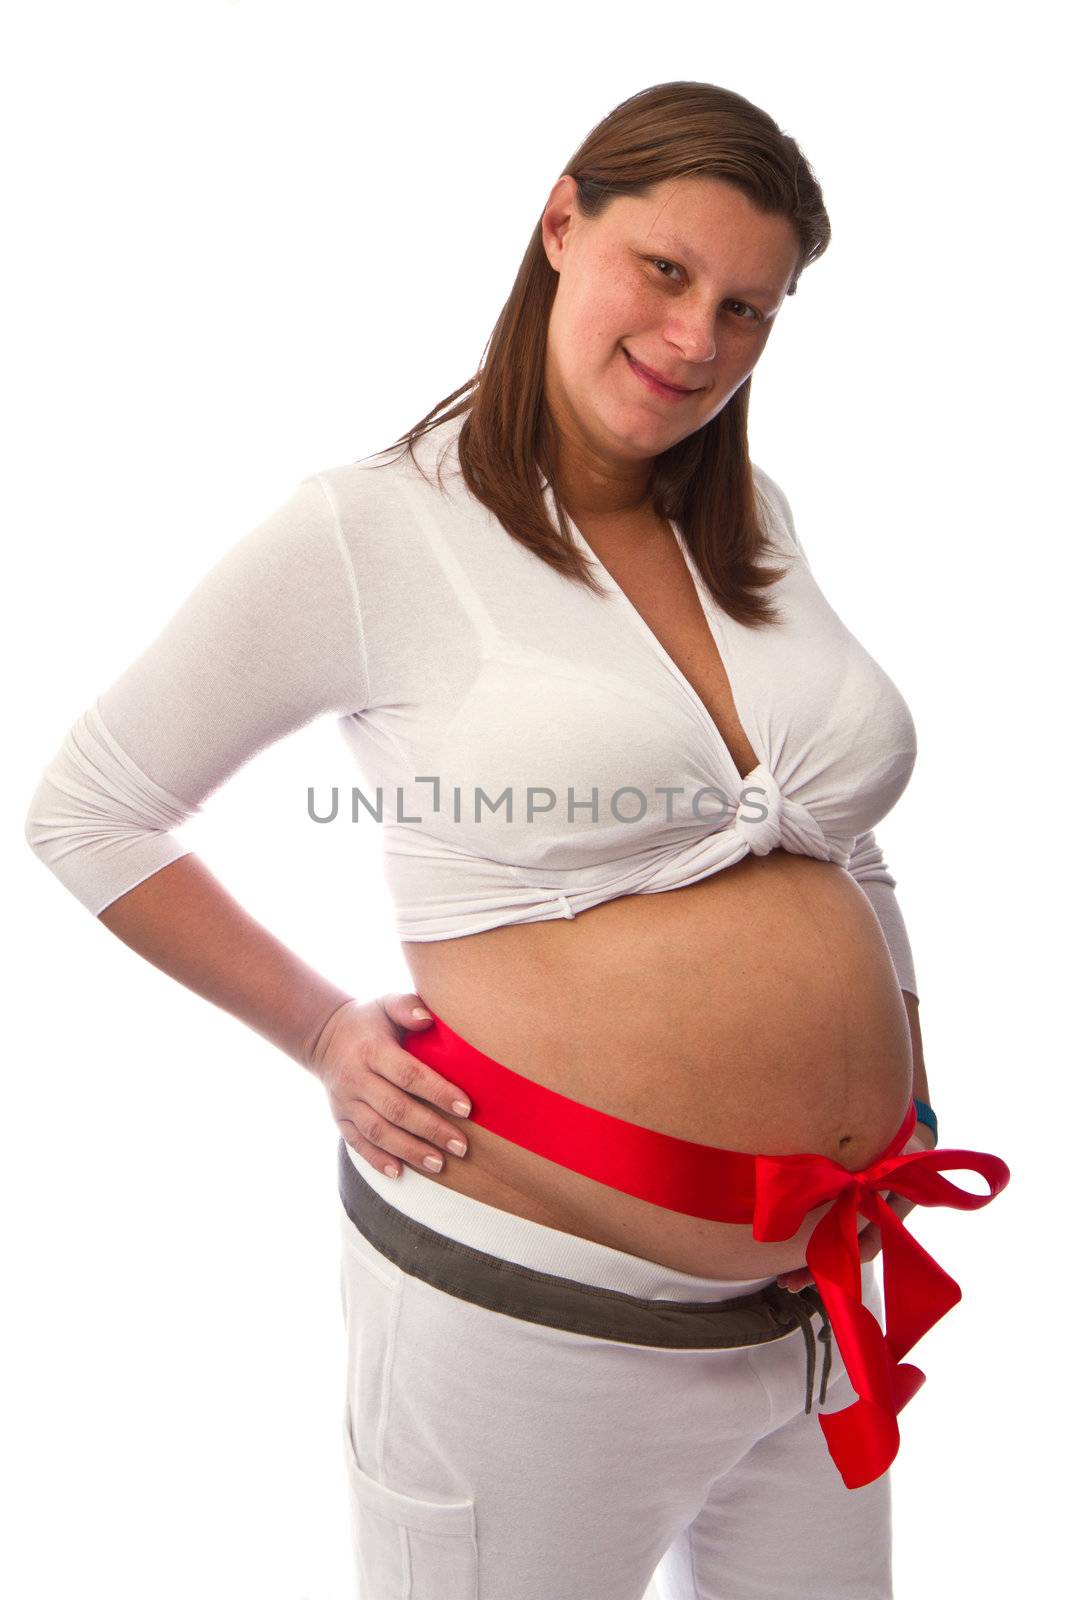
{"x":870,"y":1236}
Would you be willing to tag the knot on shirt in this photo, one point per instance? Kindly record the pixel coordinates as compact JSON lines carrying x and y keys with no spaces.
{"x":759,"y":811}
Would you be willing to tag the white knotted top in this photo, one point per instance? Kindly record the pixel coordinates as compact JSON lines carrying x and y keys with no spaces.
{"x":526,"y":747}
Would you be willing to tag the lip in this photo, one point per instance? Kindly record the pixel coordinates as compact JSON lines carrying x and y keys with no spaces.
{"x":654,"y":382}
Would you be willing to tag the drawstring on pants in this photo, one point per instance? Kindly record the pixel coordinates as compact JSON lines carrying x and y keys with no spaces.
{"x":798,"y":1309}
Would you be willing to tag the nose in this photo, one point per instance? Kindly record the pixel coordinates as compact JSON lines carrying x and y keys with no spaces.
{"x":694,"y":339}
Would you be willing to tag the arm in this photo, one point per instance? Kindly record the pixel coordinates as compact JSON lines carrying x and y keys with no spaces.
{"x":267,"y":641}
{"x":867,"y":865}
{"x":919,"y":1085}
{"x":186,"y":923}
{"x":866,"y":862}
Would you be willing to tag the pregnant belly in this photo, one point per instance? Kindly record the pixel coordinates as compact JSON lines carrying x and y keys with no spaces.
{"x":756,"y":1010}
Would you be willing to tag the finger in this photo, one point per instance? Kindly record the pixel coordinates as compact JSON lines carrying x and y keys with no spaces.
{"x":407,"y":1010}
{"x":378,"y":1159}
{"x":391,"y":1119}
{"x":399,"y":1066}
{"x":424,"y":1081}
{"x":870,"y":1242}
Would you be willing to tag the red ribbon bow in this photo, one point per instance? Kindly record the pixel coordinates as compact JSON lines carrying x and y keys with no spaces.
{"x":863,"y":1438}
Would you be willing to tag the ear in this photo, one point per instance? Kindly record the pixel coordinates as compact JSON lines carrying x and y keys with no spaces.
{"x":557,"y":218}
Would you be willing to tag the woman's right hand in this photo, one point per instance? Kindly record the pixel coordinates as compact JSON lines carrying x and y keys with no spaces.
{"x":382,"y":1098}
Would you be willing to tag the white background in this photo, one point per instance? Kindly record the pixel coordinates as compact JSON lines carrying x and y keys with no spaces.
{"x":248,"y":241}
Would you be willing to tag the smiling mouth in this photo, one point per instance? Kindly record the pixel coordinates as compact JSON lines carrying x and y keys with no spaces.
{"x":672,"y":387}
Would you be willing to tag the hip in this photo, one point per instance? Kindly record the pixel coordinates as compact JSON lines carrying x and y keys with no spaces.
{"x":498,"y":1379}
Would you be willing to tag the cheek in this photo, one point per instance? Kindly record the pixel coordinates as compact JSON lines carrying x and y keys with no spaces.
{"x":601,"y":316}
{"x":735,"y":359}
{"x":750,"y":346}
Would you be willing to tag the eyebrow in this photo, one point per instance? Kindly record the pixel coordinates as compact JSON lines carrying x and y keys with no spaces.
{"x":682,"y":249}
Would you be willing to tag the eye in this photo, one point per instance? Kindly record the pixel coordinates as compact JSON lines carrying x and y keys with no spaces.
{"x":755,"y":314}
{"x":661,"y":261}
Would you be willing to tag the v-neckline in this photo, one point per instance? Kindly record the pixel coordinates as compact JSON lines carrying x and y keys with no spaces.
{"x":665,"y":655}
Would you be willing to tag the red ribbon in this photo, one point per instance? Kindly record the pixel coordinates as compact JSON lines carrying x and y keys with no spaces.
{"x":863,"y":1437}
{"x":775,"y":1194}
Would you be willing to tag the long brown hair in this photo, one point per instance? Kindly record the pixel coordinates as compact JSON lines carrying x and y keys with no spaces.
{"x":704,"y":482}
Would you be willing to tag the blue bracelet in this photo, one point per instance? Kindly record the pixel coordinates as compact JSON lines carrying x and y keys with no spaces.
{"x":923,"y":1113}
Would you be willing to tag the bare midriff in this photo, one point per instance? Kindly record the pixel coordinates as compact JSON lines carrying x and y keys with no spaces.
{"x":757,"y":1009}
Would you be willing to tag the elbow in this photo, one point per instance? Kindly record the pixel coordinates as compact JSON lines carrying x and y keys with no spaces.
{"x":71,"y":839}
{"x":98,"y":822}
{"x":35,"y":822}
{"x":867,"y":864}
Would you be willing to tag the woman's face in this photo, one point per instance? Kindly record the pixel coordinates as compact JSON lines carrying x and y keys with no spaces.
{"x":686,"y":281}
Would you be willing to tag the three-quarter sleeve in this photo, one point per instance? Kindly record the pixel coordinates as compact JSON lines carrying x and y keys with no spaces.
{"x":270,"y":638}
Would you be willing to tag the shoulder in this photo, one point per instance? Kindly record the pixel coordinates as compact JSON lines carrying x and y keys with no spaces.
{"x":776,"y":513}
{"x":370,"y":495}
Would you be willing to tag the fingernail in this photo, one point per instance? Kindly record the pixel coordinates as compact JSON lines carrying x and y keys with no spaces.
{"x":432,"y":1163}
{"x":457,"y":1146}
{"x":394,"y":1172}
{"x":417,"y":1011}
{"x":463,"y":1107}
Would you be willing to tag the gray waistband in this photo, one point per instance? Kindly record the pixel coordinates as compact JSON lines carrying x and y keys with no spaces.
{"x":557,"y":1302}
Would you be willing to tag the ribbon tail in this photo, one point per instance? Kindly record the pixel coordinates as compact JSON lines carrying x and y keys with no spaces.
{"x":918,"y":1290}
{"x":863,"y":1438}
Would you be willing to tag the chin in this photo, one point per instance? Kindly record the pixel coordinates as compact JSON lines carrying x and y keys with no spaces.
{"x":640,"y":428}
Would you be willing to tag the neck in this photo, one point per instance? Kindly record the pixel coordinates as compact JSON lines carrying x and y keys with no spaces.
{"x":594,"y":483}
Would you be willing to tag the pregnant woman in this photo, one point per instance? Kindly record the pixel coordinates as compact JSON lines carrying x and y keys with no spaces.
{"x":627,"y":761}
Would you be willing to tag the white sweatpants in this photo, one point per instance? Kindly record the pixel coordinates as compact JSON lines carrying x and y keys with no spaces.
{"x":491,"y":1458}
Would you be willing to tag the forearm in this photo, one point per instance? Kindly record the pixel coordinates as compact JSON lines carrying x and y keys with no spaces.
{"x":919,"y":1086}
{"x":186,"y":923}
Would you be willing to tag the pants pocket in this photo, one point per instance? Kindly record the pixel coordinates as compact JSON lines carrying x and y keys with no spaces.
{"x":405,"y":1547}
